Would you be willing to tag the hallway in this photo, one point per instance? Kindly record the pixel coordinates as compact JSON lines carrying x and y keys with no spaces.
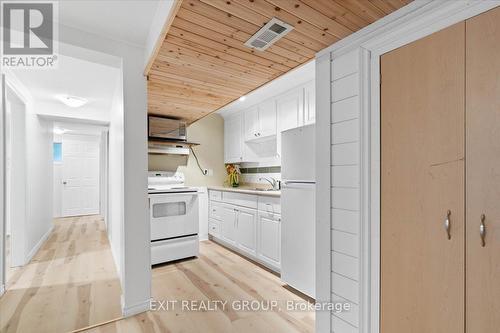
{"x":70,"y":283}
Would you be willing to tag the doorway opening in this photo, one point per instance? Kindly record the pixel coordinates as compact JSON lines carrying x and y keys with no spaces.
{"x":58,"y":256}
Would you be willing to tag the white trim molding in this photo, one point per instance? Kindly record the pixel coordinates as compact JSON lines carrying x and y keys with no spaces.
{"x":37,"y":246}
{"x":323,"y":183}
{"x":137,"y":308}
{"x":412,"y":22}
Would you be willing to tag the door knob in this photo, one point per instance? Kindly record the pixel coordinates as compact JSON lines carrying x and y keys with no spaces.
{"x":447,"y":224}
{"x":482,"y":231}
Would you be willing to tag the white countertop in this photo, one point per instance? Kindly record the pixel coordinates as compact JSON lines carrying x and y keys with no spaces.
{"x":246,"y":190}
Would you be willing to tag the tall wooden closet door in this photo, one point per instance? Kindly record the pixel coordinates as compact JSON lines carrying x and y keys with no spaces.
{"x":483,"y":172}
{"x":422,"y":177}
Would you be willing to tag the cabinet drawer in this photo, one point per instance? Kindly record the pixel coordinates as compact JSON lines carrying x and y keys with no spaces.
{"x":215,"y":211}
{"x":270,"y":205}
{"x":213,"y":228}
{"x":215,"y":195}
{"x":245,"y":200}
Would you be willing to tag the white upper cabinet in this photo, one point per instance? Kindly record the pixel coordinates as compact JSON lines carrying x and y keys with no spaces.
{"x":260,"y":121}
{"x":267,"y":118}
{"x":290,"y":109}
{"x":254,"y":135}
{"x":233,"y":148}
{"x":251,"y":123}
{"x":310,"y":103}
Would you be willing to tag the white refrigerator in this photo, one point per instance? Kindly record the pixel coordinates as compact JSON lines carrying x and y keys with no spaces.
{"x":298,"y":209}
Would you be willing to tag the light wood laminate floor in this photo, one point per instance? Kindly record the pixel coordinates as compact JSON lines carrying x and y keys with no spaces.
{"x":70,"y":283}
{"x":217,"y":275}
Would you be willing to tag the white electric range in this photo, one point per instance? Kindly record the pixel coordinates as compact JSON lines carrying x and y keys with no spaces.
{"x":174,"y":217}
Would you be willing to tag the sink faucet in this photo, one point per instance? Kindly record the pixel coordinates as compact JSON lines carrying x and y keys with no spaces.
{"x":274,"y":183}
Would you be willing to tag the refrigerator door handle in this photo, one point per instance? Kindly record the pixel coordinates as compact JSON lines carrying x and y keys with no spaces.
{"x":288,"y":184}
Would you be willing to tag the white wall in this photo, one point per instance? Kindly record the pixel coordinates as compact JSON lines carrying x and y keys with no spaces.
{"x":157,"y":25}
{"x":36,"y":178}
{"x":16,"y":173}
{"x":2,"y":182}
{"x":39,"y":180}
{"x":345,"y":181}
{"x":116,"y":181}
{"x":86,"y":112}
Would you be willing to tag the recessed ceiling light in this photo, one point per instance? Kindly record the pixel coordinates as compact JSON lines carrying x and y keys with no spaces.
{"x":72,"y":101}
{"x":242,"y":98}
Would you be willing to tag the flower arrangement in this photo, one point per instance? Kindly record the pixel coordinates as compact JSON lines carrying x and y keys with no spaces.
{"x":233,"y":175}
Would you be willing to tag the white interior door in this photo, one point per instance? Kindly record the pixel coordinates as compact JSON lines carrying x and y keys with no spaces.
{"x":80,"y":188}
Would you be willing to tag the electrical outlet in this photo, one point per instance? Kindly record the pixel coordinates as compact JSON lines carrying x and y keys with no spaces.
{"x":208,"y":172}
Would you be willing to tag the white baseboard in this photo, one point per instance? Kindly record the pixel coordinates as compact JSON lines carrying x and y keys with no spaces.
{"x":136,"y":308}
{"x":38,"y":245}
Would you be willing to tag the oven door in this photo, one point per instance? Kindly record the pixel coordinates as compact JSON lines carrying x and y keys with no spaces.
{"x":173,"y":215}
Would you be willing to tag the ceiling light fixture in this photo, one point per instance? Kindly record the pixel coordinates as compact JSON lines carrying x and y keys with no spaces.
{"x":242,"y":98}
{"x":72,"y":101}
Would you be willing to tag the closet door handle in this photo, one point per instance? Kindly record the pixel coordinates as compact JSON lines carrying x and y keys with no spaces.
{"x":482,"y":230}
{"x":447,"y":224}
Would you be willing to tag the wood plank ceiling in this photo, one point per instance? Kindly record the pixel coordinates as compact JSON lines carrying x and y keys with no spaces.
{"x":203,"y":63}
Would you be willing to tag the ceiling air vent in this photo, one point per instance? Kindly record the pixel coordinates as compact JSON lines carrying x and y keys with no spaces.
{"x":268,"y":34}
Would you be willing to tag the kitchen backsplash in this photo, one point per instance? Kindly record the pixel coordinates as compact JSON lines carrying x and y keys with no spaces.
{"x":253,"y":175}
{"x":273,"y":169}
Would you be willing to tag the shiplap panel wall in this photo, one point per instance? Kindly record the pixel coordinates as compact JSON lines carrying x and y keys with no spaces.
{"x":345,"y":172}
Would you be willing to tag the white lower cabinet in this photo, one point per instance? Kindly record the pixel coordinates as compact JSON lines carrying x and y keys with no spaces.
{"x":228,"y":224}
{"x":254,"y":233}
{"x":269,"y":236}
{"x":246,"y":222}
